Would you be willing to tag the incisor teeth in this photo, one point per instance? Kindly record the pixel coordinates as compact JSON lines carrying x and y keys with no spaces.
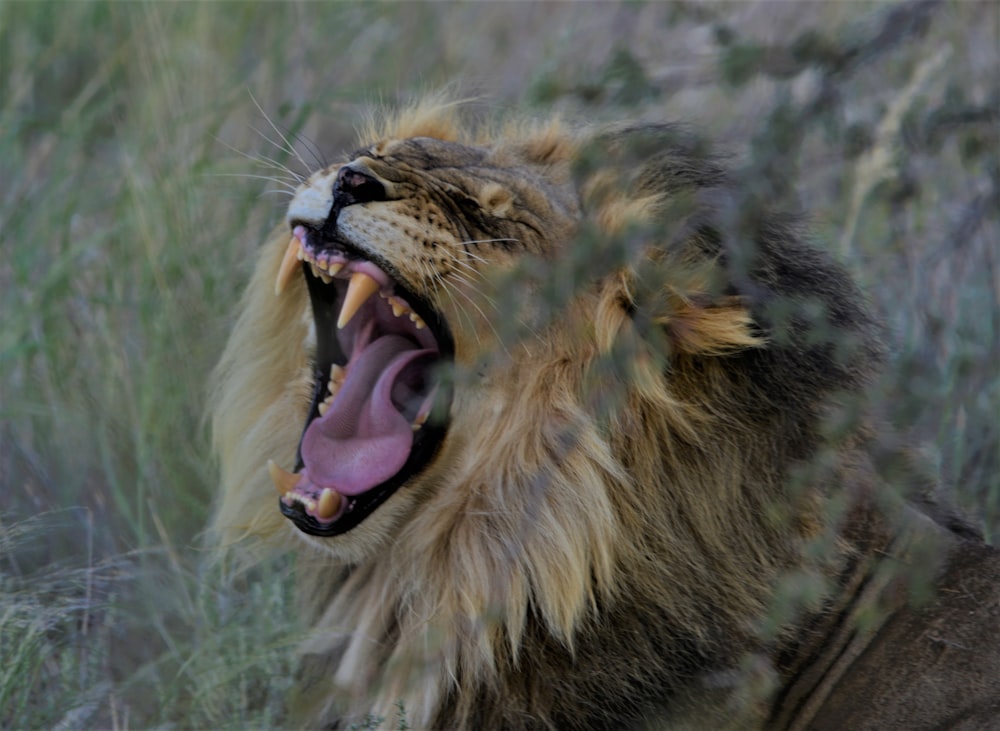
{"x":335,"y":267}
{"x":359,"y":290}
{"x":315,"y":269}
{"x":293,"y":254}
{"x":329,"y":502}
{"x":282,"y":479}
{"x":324,"y":406}
{"x":325,"y":277}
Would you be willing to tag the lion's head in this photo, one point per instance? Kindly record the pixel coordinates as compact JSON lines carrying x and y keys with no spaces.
{"x":542,"y":407}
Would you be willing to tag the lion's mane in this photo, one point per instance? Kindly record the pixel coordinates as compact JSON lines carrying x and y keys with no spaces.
{"x":626,"y":478}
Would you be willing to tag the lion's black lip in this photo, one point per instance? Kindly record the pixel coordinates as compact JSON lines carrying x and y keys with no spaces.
{"x":326,"y":301}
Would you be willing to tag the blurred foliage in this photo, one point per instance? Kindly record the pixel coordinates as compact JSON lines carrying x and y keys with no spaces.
{"x":133,"y":140}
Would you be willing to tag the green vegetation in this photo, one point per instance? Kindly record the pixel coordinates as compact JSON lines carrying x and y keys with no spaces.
{"x":133,"y":139}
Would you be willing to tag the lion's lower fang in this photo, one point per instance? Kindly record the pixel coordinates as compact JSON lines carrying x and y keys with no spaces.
{"x":329,"y":503}
{"x":282,"y":479}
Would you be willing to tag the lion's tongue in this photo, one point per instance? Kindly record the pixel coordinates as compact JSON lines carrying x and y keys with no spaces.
{"x":364,"y":439}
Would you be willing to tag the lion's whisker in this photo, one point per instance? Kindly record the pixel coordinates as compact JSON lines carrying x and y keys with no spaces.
{"x":317,"y":154}
{"x":291,"y":188}
{"x":262,"y":161}
{"x":284,"y":168}
{"x":466,"y":244}
{"x":443,"y":288}
{"x":470,"y":268}
{"x":483,"y":315}
{"x":281,"y":148}
{"x":473,"y":257}
{"x":472,"y":286}
{"x":289,"y":147}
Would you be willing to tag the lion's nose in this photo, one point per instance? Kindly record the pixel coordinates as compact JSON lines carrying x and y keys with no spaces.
{"x":355,"y":186}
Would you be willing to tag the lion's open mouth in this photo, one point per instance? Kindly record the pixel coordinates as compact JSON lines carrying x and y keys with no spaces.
{"x":379,"y":400}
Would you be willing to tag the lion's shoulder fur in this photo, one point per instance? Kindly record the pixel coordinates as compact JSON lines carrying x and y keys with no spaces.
{"x":606,"y":533}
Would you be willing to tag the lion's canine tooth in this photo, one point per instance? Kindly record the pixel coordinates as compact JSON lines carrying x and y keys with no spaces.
{"x":361,"y":287}
{"x":329,"y":501}
{"x":282,"y":479}
{"x":293,"y":254}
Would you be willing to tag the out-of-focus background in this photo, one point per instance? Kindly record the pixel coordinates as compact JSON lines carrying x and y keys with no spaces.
{"x":141,"y":156}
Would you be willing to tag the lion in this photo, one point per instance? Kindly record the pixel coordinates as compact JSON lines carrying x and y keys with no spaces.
{"x":567,"y":431}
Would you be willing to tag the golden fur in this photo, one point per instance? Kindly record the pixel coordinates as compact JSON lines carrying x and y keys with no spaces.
{"x":628,"y":472}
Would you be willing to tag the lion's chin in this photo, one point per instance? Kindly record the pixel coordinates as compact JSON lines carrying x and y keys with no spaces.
{"x":380,"y":395}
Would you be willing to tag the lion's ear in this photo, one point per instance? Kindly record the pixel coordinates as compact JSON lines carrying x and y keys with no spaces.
{"x":693,"y":322}
{"x":496,"y":200}
{"x":702,"y":326}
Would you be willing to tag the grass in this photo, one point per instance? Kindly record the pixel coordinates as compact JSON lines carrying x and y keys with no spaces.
{"x":130,"y":214}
